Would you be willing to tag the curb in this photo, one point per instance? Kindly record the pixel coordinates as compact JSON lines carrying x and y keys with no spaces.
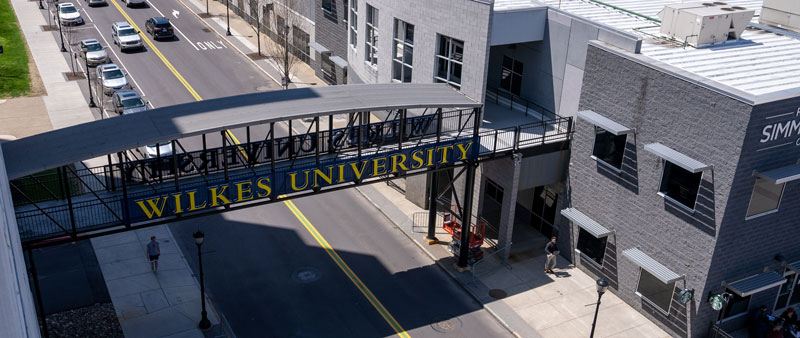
{"x":440,"y":265}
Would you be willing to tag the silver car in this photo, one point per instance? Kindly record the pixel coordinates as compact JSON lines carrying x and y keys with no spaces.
{"x":93,"y":3}
{"x":125,"y":36}
{"x":111,"y":77}
{"x":127,"y":102}
{"x":94,"y":52}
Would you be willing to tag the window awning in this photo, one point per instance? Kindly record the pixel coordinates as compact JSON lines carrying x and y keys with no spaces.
{"x":585,"y":222}
{"x":655,"y":268}
{"x":339,"y":61}
{"x":603,"y":122}
{"x":676,"y":158}
{"x":318,"y":47}
{"x":781,"y":175}
{"x":756,"y":284}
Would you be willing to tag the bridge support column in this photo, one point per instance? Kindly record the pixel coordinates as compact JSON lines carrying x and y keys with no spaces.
{"x":432,"y":206}
{"x":466,"y":218}
{"x":508,"y":209}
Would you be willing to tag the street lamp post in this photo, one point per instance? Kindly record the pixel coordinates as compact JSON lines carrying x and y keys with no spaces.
{"x":602,"y":285}
{"x":228,"y":16}
{"x":207,"y":12}
{"x":60,"y":32}
{"x":204,"y":322}
{"x":40,"y":5}
{"x":89,"y":82}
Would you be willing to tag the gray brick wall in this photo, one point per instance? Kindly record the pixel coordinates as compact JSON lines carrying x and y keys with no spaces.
{"x":331,"y":32}
{"x":696,"y":121}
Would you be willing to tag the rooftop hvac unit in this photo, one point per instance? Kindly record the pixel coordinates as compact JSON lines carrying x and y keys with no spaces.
{"x":706,"y":23}
{"x":781,"y":13}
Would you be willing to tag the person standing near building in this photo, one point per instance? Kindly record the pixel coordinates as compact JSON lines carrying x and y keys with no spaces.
{"x":153,"y":251}
{"x":552,"y":251}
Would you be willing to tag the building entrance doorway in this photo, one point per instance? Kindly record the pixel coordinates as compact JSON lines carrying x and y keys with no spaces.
{"x":543,"y":211}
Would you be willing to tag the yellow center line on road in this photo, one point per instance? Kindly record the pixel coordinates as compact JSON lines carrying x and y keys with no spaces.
{"x":292,"y":207}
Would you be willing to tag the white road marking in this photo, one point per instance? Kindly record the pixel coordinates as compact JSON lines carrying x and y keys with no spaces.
{"x":212,"y":45}
{"x":175,"y":13}
{"x":173,"y":25}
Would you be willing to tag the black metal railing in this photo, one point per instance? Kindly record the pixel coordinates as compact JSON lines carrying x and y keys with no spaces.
{"x":515,"y":102}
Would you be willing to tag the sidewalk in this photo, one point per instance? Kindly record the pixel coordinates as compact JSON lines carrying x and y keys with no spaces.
{"x":529,"y":302}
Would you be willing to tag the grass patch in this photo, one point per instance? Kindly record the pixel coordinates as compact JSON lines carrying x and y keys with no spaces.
{"x":14,"y":74}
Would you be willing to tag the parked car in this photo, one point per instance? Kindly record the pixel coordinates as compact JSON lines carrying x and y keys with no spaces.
{"x":125,"y":36}
{"x":130,"y":3}
{"x":93,"y":3}
{"x":160,"y":150}
{"x":68,"y":14}
{"x":127,"y":102}
{"x":94,"y":52}
{"x":112,"y":78}
{"x":159,"y":28}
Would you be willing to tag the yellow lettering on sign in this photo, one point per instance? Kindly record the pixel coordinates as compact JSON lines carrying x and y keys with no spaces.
{"x":241,"y":190}
{"x":327,"y":178}
{"x":341,"y":173}
{"x":293,"y":177}
{"x":358,"y":171}
{"x":192,"y":205}
{"x":378,"y":163}
{"x":266,"y":189}
{"x":430,"y":157}
{"x":418,"y":161}
{"x":153,"y":208}
{"x":218,"y":195}
{"x":396,"y":163}
{"x":464,"y":151}
{"x":178,"y":208}
{"x":444,"y":153}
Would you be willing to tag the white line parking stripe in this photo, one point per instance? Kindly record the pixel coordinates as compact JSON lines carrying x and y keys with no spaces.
{"x":173,"y":25}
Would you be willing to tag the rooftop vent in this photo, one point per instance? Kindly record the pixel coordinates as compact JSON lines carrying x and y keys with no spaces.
{"x":781,"y":13}
{"x":707,"y":23}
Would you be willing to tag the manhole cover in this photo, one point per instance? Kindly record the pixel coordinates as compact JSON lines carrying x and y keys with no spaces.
{"x":263,"y":88}
{"x":446,"y":324}
{"x":306,"y":275}
{"x":206,"y":29}
{"x":497,"y":294}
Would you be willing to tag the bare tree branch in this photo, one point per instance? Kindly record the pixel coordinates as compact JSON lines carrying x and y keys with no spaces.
{"x":285,"y":16}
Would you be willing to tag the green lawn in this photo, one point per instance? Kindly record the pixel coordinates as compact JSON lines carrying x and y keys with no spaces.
{"x":14,"y":76}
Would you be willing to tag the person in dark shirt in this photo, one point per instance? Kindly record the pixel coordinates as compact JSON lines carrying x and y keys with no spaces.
{"x":789,"y":317}
{"x":552,"y":252}
{"x":759,"y":325}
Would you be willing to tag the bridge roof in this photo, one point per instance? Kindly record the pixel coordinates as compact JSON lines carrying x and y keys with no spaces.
{"x":72,"y":144}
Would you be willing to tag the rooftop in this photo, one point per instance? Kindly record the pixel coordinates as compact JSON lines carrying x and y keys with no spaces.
{"x":764,"y":63}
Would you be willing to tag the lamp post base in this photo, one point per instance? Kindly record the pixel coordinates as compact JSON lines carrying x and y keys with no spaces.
{"x":204,"y":324}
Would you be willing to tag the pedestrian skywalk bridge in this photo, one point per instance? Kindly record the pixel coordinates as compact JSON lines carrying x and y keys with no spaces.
{"x":91,"y":179}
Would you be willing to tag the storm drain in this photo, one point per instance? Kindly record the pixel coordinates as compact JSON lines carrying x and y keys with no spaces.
{"x":446,"y":324}
{"x":497,"y":294}
{"x":306,"y":275}
{"x":206,"y":29}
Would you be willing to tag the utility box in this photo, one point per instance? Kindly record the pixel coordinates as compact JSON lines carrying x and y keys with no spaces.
{"x":781,"y":13}
{"x":707,"y":23}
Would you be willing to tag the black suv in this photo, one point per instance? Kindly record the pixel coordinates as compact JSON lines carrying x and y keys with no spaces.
{"x":159,"y":28}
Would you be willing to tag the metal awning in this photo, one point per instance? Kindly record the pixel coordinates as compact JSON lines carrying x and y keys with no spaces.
{"x":655,"y":268}
{"x":339,"y":61}
{"x":318,"y":47}
{"x":603,"y":122}
{"x":781,"y":175}
{"x":756,"y":284}
{"x":794,"y":266}
{"x":676,"y":158}
{"x":585,"y":222}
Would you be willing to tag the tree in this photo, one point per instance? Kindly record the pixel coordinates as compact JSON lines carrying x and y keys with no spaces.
{"x":286,"y":14}
{"x":71,"y":39}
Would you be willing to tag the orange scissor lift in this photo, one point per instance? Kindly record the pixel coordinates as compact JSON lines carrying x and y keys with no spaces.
{"x":477,"y":232}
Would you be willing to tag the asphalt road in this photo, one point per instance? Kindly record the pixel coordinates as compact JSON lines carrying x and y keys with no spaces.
{"x":267,"y":273}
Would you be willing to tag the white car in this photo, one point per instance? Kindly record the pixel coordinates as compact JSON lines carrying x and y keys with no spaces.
{"x":130,"y":3}
{"x":111,"y":77}
{"x":125,"y":36}
{"x":164,"y":149}
{"x":68,"y":14}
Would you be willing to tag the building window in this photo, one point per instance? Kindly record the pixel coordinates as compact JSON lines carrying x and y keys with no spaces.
{"x":766,"y":197}
{"x":353,"y":22}
{"x":449,"y":59}
{"x":654,"y":291}
{"x":544,"y":210}
{"x":736,"y":305}
{"x":403,"y":51}
{"x":281,"y":27}
{"x":300,"y":40}
{"x":592,"y":247}
{"x":680,"y":185}
{"x":608,"y":147}
{"x":265,"y":14}
{"x":345,"y":10}
{"x":494,"y":192}
{"x":371,"y":40}
{"x":511,"y":76}
{"x":328,"y":69}
{"x":329,"y":6}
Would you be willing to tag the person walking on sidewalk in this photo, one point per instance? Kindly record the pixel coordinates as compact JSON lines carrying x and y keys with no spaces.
{"x":552,"y":251}
{"x":153,"y":251}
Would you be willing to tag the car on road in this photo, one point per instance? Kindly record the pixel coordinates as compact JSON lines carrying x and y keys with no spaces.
{"x":93,"y":3}
{"x":159,"y":28}
{"x":112,"y":78}
{"x":160,"y":150}
{"x":127,"y":102}
{"x":130,"y":3}
{"x":125,"y":36}
{"x":68,"y":14}
{"x":94,"y":52}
